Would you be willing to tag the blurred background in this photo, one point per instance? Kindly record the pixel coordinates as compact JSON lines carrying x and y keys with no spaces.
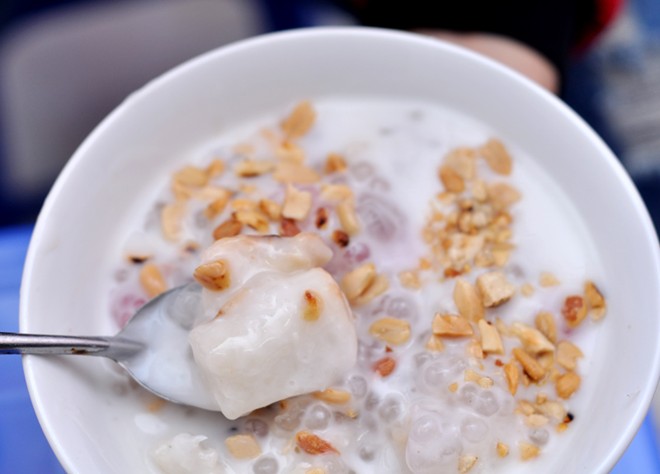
{"x":65,"y":64}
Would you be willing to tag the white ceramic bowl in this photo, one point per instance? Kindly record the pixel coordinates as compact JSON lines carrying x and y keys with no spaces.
{"x":83,"y":222}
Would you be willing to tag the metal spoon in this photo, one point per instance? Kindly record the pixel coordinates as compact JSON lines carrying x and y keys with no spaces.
{"x":153,"y":347}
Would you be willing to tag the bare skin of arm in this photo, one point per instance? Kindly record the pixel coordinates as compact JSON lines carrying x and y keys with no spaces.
{"x":511,"y":53}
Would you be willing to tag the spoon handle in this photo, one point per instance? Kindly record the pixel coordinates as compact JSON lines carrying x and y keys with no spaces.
{"x":14,"y":343}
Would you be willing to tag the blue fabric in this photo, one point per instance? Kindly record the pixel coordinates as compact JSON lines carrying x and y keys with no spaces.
{"x":23,"y":446}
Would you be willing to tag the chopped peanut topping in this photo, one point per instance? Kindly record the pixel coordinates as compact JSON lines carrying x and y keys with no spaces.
{"x":448,"y":325}
{"x":213,"y":276}
{"x":496,"y":156}
{"x":253,"y":168}
{"x":243,"y":446}
{"x":243,"y":205}
{"x":528,"y":451}
{"x":290,"y":152}
{"x":512,"y":375}
{"x":462,"y":161}
{"x":171,"y":218}
{"x":362,"y":284}
{"x":297,"y":204}
{"x":502,"y":195}
{"x":333,"y":396}
{"x":548,"y":279}
{"x":191,"y":176}
{"x":217,"y":205}
{"x":336,"y":192}
{"x":321,"y":218}
{"x":385,"y":366}
{"x":312,"y":444}
{"x":229,"y":228}
{"x":468,"y":301}
{"x":152,"y":280}
{"x":348,"y":217}
{"x":299,"y":121}
{"x":531,"y":367}
{"x":491,"y":342}
{"x":391,"y":330}
{"x":502,"y":449}
{"x":595,"y":299}
{"x":568,"y":354}
{"x":527,"y":290}
{"x":254,"y":219}
{"x":410,"y":279}
{"x":495,"y":288}
{"x":535,"y":420}
{"x":215,"y":168}
{"x":358,"y":280}
{"x":451,"y":180}
{"x":567,"y":384}
{"x":466,"y":463}
{"x":574,"y":311}
{"x":341,"y":238}
{"x":288,"y":228}
{"x":545,"y":323}
{"x":335,"y":163}
{"x":272,"y":209}
{"x":312,"y":306}
{"x":532,"y":339}
{"x":293,"y":172}
{"x":434,"y":344}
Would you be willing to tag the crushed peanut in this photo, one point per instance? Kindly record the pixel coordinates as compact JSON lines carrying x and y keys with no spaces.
{"x":491,"y":342}
{"x":312,"y":306}
{"x":532,"y":339}
{"x":567,"y":384}
{"x":253,"y":168}
{"x":545,"y":323}
{"x":271,"y":209}
{"x":502,"y":449}
{"x":467,"y":300}
{"x":299,"y":121}
{"x":495,"y":289}
{"x":152,"y":280}
{"x":451,"y":180}
{"x":574,"y":310}
{"x":531,"y":367}
{"x":512,"y":375}
{"x":213,"y":276}
{"x":312,"y":444}
{"x":348,"y":217}
{"x":466,"y":462}
{"x":547,"y":279}
{"x":449,"y":325}
{"x":297,"y":204}
{"x":171,"y":218}
{"x":255,"y":219}
{"x":229,"y":228}
{"x":385,"y":366}
{"x":296,"y":173}
{"x":243,"y":446}
{"x":410,"y":279}
{"x":596,"y":301}
{"x":528,"y":451}
{"x":335,"y":163}
{"x":568,"y":354}
{"x":496,"y":156}
{"x":391,"y":330}
{"x":333,"y":396}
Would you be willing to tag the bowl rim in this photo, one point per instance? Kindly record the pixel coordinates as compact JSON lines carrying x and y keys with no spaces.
{"x":358,"y":32}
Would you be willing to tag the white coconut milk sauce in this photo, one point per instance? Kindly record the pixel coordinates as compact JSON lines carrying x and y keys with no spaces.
{"x":408,"y":420}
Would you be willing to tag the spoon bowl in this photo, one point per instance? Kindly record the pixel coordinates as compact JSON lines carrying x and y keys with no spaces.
{"x":153,"y":347}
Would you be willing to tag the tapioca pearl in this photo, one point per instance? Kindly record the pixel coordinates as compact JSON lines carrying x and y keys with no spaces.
{"x":425,"y":429}
{"x":378,"y":184}
{"x":367,"y":451}
{"x":358,"y":386}
{"x":372,"y":401}
{"x":362,"y":170}
{"x":482,"y":401}
{"x":474,"y":429}
{"x":289,"y":420}
{"x":538,"y":436}
{"x":266,"y":465}
{"x":422,"y":358}
{"x":380,"y":219}
{"x":391,"y":408}
{"x":401,"y":307}
{"x":356,"y":253}
{"x":487,"y":403}
{"x":318,"y":417}
{"x":256,"y":426}
{"x":441,"y":372}
{"x":334,"y":465}
{"x":438,"y":452}
{"x":125,"y":306}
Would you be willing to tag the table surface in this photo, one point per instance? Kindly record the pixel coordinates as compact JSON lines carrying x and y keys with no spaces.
{"x":23,"y":446}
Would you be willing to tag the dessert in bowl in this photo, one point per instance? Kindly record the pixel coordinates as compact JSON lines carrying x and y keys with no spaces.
{"x":479,"y":231}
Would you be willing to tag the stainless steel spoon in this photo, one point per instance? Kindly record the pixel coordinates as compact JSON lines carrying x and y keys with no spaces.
{"x":153,"y":347}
